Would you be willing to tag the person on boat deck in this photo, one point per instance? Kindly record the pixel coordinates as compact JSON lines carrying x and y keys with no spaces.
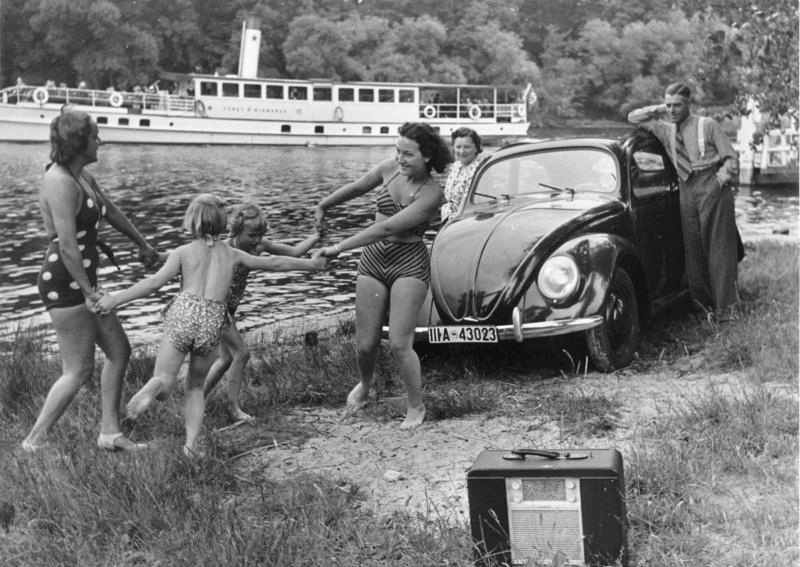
{"x":710,"y":237}
{"x":394,"y":268}
{"x":467,"y":149}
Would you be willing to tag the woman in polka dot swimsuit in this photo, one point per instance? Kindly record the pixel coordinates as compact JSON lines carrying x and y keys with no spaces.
{"x":72,"y":206}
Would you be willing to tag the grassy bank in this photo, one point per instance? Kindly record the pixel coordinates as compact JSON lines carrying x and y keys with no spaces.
{"x":711,"y":481}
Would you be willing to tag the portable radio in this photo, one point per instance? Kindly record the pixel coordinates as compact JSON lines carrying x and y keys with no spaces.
{"x":543,"y":507}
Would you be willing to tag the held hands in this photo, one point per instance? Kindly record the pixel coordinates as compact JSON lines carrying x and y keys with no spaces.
{"x":104,"y":304}
{"x":91,"y":300}
{"x":328,"y":252}
{"x":319,"y":262}
{"x":149,"y":256}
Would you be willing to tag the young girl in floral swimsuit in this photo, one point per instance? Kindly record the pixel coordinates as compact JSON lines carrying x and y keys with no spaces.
{"x":248,"y":227}
{"x":196,"y":318}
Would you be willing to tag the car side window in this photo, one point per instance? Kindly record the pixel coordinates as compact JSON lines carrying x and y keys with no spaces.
{"x":649,"y":173}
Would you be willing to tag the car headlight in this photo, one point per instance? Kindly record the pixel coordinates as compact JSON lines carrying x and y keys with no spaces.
{"x":558,"y":278}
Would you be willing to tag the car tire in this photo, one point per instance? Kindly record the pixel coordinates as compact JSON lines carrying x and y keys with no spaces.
{"x":613,"y":343}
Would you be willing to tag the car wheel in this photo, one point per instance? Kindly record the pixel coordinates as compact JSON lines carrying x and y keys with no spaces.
{"x":613,"y":343}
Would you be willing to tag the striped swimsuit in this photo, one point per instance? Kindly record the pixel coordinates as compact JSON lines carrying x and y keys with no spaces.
{"x":388,"y":261}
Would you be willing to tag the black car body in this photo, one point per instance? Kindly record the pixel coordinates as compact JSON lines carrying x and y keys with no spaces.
{"x":556,"y":237}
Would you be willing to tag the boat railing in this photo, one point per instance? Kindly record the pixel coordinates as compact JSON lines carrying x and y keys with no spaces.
{"x":500,"y":112}
{"x":132,"y":101}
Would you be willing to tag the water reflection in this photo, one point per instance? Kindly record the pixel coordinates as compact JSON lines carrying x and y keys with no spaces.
{"x":154,"y":184}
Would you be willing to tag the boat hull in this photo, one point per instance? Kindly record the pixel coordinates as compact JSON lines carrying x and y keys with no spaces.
{"x":23,"y":123}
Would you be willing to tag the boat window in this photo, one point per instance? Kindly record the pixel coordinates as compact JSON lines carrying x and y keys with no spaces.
{"x":323,"y":93}
{"x":123,"y":122}
{"x":145,"y":123}
{"x":384,"y":129}
{"x":319,"y":129}
{"x":406,"y":95}
{"x":366,"y":95}
{"x":252,"y":90}
{"x":366,"y":130}
{"x":298,"y":93}
{"x":346,"y":95}
{"x":230,"y":89}
{"x":102,"y":120}
{"x":275,"y":91}
{"x":286,"y":128}
{"x":385,"y":95}
{"x":207,"y":88}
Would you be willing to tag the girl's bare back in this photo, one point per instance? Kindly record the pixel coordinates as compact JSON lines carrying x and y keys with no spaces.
{"x":206,"y":271}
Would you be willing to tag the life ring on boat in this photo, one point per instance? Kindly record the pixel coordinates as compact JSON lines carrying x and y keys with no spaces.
{"x":40,"y":95}
{"x":115,"y":99}
{"x":338,"y":114}
{"x":429,"y":111}
{"x":200,"y":108}
{"x":475,"y":112}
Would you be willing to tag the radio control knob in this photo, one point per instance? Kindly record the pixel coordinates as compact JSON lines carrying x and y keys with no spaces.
{"x":516,"y":485}
{"x":571,"y":498}
{"x":516,"y":497}
{"x":570,"y":484}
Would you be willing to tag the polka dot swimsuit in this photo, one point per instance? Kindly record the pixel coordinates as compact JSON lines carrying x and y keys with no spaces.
{"x":56,"y":286}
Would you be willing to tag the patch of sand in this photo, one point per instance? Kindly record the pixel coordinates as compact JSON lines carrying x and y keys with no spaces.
{"x":423,"y":471}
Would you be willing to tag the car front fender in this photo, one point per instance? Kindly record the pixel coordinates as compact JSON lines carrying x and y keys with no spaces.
{"x":597,"y":256}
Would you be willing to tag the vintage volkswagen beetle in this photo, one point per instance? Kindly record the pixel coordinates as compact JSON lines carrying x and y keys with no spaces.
{"x":560,"y":236}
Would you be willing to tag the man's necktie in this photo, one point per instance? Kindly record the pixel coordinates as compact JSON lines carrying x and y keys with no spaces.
{"x":682,"y":161}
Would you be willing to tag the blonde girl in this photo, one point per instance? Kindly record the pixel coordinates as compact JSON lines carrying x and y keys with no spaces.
{"x":248,"y":226}
{"x":196,"y":318}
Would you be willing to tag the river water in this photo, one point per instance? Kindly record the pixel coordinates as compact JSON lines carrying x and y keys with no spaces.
{"x":153,"y":184}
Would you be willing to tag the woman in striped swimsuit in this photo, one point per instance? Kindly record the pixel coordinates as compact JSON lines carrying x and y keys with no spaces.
{"x":394,"y":269}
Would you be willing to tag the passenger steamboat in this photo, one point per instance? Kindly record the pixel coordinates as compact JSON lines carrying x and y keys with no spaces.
{"x":245,"y":109}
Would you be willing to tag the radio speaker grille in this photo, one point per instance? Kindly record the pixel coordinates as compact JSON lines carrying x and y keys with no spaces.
{"x":542,"y":533}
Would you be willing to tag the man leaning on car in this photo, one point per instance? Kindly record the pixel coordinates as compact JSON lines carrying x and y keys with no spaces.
{"x":706,"y":164}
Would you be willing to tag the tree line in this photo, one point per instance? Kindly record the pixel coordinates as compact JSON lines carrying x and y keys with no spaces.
{"x":584,"y":58}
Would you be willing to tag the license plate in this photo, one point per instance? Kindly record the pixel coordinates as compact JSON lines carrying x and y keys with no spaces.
{"x":471,"y":334}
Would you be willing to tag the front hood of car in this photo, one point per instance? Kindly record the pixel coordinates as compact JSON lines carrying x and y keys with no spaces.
{"x":482,"y":261}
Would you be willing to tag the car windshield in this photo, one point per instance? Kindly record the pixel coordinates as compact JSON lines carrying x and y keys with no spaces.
{"x":545,"y":173}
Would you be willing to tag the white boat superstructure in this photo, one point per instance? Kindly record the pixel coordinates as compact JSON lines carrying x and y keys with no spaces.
{"x":773,"y":160}
{"x":232,"y":110}
{"x":244,"y":109}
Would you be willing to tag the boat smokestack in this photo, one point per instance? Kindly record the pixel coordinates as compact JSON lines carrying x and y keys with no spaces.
{"x":250,"y":47}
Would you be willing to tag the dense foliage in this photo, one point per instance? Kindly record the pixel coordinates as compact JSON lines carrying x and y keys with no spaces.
{"x":583,"y":57}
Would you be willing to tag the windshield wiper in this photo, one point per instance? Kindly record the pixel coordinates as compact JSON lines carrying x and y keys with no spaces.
{"x":490,"y":197}
{"x":569,"y":190}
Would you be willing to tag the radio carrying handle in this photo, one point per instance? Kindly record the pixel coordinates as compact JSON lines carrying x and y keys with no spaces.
{"x":520,"y":454}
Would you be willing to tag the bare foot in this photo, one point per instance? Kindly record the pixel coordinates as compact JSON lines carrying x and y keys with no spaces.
{"x":357,"y":398}
{"x":193,"y":453}
{"x":142,"y":399}
{"x":414,"y":418}
{"x":238,"y":415}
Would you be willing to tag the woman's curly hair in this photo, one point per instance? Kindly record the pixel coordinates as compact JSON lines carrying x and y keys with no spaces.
{"x":69,"y":136}
{"x":431,"y":144}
